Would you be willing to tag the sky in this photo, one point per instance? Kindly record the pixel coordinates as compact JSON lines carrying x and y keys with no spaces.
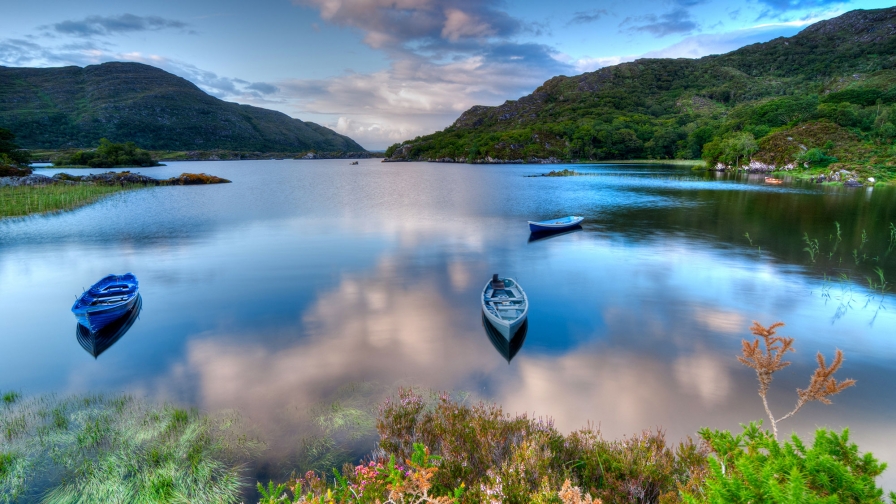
{"x":384,"y":71}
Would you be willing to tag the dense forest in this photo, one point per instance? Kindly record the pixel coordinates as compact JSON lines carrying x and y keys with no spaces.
{"x":824,"y":96}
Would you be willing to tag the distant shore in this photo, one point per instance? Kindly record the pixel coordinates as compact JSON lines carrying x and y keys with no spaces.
{"x":51,"y":155}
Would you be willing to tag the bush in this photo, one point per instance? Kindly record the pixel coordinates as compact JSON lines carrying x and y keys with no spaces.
{"x":754,"y":467}
{"x":10,"y":153}
{"x":816,"y":157}
{"x":492,"y":454}
{"x":109,"y":155}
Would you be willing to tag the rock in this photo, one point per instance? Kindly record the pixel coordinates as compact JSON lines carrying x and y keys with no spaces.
{"x":28,"y":180}
{"x":871,"y":179}
{"x":759,"y":167}
{"x":852,"y":183}
{"x":14,"y":171}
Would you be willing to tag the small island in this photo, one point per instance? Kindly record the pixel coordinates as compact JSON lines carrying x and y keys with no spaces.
{"x":108,"y":155}
{"x":23,"y":192}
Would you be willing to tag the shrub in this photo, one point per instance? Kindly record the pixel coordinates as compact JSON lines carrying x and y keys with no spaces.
{"x":754,"y":467}
{"x":514,"y":457}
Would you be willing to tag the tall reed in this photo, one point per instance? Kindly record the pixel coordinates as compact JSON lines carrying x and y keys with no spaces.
{"x":26,"y":200}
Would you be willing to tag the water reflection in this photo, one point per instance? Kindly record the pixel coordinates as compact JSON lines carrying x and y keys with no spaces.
{"x":98,"y":342}
{"x":636,"y":320}
{"x":507,"y":348}
{"x":544,"y":235}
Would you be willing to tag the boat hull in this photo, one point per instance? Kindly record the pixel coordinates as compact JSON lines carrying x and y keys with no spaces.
{"x":97,"y":342}
{"x":505,"y":329}
{"x":555,"y":224}
{"x":508,"y":348}
{"x":95,"y":320}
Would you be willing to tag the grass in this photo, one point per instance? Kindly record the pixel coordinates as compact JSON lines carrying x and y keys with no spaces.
{"x":116,"y":449}
{"x":26,"y":200}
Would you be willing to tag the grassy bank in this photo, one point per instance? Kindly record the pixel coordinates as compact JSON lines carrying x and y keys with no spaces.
{"x":95,"y":448}
{"x":26,"y":200}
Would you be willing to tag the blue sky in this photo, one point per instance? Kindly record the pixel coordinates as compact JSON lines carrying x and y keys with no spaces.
{"x":382,"y":71}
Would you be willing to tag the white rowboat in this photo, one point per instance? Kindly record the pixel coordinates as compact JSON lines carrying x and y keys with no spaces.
{"x":505,"y":305}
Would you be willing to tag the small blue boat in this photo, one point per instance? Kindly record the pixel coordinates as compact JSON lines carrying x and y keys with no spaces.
{"x":106,"y":301}
{"x":555,"y":224}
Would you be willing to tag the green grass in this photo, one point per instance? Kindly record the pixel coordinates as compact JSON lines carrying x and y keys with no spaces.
{"x":96,"y":448}
{"x":27,"y":200}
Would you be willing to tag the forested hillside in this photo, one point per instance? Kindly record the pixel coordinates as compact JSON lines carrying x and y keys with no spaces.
{"x":56,"y":108}
{"x":823,"y":96}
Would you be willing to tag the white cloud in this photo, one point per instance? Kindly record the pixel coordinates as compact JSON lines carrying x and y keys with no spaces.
{"x":697,"y":46}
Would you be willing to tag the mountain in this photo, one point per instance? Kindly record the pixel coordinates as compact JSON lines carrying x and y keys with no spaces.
{"x":836,"y":77}
{"x":53,"y":108}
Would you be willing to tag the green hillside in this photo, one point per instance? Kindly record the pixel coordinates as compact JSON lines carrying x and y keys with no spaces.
{"x":838,"y":76}
{"x":57,"y":108}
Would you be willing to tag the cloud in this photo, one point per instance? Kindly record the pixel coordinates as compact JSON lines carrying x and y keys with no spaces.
{"x":110,"y":25}
{"x":778,"y":6}
{"x":263,"y":87}
{"x":586,"y":17}
{"x":416,"y":96}
{"x":411,"y":24}
{"x":676,"y":21}
{"x":697,"y":46}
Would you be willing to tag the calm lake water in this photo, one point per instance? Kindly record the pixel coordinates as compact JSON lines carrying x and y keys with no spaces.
{"x":269,"y":294}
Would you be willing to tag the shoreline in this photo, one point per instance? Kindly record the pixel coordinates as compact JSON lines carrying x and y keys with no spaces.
{"x":39,"y":194}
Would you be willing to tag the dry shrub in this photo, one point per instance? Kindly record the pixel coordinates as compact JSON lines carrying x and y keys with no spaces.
{"x":515,"y":459}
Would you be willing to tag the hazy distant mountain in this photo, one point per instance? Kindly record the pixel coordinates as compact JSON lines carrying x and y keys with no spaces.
{"x":836,"y":77}
{"x":74,"y":107}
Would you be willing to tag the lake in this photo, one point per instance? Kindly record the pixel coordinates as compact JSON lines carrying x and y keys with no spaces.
{"x":271,"y":294}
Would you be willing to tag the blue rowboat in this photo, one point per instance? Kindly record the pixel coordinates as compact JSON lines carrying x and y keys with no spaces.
{"x":555,"y":224}
{"x":106,"y":301}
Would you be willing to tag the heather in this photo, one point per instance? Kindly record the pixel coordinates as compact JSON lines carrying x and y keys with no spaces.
{"x":439,"y":448}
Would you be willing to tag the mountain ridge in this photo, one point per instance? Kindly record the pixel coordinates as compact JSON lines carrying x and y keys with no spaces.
{"x":663,"y":108}
{"x":65,"y":107}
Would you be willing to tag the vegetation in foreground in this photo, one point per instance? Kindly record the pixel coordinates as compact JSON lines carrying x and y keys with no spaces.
{"x":86,"y":449}
{"x":435,"y":449}
{"x":443,"y":450}
{"x":18,"y":201}
{"x":109,"y":155}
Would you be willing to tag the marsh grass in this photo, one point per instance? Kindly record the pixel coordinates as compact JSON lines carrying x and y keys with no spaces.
{"x":26,"y":200}
{"x":340,"y":427}
{"x":117,"y":449}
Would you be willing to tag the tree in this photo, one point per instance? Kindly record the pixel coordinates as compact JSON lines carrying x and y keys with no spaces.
{"x":10,"y":153}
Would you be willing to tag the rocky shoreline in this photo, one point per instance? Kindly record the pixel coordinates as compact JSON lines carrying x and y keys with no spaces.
{"x":486,"y":160}
{"x":848,"y":178}
{"x":110,"y":178}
